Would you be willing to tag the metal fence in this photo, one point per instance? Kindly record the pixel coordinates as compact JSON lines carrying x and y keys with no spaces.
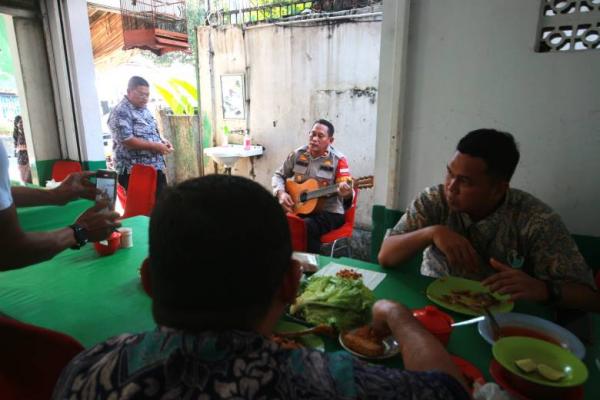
{"x":238,"y":12}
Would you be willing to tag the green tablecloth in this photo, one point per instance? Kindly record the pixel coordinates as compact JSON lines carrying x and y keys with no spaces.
{"x":80,"y":293}
{"x":44,"y":218}
{"x":93,"y":298}
{"x":407,"y":286}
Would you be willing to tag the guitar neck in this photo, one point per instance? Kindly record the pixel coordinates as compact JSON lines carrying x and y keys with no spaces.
{"x":324,"y":191}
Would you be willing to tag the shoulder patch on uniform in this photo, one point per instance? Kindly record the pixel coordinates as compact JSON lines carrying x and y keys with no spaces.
{"x":335,"y":152}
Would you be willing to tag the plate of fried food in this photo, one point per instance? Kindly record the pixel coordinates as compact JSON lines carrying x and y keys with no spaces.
{"x":466,"y":296}
{"x":365,"y":343}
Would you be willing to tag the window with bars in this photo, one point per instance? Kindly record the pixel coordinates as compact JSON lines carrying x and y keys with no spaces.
{"x":569,"y":25}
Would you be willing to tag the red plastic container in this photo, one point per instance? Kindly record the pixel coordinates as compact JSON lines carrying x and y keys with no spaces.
{"x":437,"y":322}
{"x":109,"y":246}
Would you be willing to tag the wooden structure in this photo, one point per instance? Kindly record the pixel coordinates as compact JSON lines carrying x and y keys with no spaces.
{"x":156,"y":25}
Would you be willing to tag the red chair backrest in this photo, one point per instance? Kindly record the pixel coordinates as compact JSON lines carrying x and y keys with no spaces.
{"x":297,"y":232}
{"x":346,"y":229}
{"x":141,"y":191}
{"x":351,"y":212}
{"x":31,"y":359}
{"x":62,"y":168}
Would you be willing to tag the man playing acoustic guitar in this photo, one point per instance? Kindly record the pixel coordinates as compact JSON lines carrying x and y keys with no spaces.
{"x":320,"y":162}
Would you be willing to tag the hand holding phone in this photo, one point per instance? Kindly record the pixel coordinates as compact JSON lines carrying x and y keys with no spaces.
{"x":106,"y":183}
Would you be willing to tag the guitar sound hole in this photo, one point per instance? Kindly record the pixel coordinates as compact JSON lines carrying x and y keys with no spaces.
{"x":303,"y":197}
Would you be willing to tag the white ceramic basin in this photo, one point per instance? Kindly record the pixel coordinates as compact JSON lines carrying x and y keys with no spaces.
{"x":228,"y":155}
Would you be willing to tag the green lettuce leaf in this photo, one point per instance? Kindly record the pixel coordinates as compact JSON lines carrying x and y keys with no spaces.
{"x":345,"y":303}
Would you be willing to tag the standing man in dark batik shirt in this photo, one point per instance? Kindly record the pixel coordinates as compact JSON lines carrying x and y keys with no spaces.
{"x":136,"y":139}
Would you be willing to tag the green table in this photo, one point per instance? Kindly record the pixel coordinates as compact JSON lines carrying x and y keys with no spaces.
{"x":82,"y":294}
{"x":93,"y":298}
{"x":44,"y":218}
{"x":407,"y":286}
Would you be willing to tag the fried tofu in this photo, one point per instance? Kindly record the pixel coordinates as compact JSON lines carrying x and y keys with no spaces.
{"x":364,"y":341}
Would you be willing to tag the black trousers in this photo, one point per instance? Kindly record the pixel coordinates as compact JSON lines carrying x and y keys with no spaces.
{"x":319,"y":224}
{"x":161,"y":182}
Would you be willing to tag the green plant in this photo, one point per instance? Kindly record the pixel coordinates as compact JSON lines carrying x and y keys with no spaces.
{"x":181,"y":96}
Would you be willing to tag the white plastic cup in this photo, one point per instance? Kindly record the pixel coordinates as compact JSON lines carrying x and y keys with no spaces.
{"x":126,"y":237}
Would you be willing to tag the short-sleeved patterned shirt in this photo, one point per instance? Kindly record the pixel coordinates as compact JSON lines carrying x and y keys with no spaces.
{"x":171,"y":364}
{"x":126,"y":121}
{"x":522,"y":226}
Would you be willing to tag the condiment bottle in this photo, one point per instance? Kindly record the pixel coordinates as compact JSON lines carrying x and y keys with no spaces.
{"x":435,"y":321}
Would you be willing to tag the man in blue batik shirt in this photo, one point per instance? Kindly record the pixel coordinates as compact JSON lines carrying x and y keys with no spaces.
{"x":136,"y":139}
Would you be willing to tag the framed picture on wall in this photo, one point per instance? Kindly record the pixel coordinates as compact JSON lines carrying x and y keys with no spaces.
{"x":232,"y":96}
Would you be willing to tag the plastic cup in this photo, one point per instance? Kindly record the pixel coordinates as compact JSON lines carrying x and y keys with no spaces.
{"x":126,"y":237}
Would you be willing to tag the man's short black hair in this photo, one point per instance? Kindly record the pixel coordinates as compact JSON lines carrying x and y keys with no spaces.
{"x":219,"y":248}
{"x":498,"y":149}
{"x":136,"y":81}
{"x":329,"y":125}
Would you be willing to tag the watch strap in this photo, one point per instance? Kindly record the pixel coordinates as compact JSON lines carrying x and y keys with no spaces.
{"x":81,"y":236}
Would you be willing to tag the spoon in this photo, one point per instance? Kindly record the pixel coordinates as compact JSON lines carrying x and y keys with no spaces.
{"x":317,"y":330}
{"x":468,"y":321}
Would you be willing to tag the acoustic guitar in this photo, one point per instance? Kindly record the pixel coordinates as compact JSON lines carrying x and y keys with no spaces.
{"x":306,"y":194}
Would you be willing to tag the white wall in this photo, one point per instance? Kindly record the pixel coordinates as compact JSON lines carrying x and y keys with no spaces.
{"x":296,"y":75}
{"x":471,"y":64}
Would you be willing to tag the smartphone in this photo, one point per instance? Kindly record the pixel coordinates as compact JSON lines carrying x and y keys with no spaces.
{"x":106,"y":181}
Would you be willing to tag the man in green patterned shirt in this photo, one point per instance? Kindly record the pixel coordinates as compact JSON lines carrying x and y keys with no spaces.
{"x":476,"y":226}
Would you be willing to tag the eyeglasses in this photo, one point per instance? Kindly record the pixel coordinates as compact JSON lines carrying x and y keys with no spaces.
{"x":141,"y":94}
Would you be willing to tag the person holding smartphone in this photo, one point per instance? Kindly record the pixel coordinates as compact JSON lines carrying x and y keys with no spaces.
{"x":19,"y":248}
{"x":136,"y":139}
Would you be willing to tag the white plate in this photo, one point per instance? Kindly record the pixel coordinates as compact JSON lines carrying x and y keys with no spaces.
{"x":390,"y":349}
{"x":557,"y":332}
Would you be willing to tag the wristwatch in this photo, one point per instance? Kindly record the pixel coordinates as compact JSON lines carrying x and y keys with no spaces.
{"x":554,"y":292}
{"x":81,"y":236}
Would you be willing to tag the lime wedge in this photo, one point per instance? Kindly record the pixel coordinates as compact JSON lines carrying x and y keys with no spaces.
{"x":526,"y":364}
{"x":549,"y":372}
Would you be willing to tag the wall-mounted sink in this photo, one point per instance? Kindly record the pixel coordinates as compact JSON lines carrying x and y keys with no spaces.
{"x":228,"y":155}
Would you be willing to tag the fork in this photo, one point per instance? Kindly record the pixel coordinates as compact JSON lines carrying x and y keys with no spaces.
{"x":493,"y":323}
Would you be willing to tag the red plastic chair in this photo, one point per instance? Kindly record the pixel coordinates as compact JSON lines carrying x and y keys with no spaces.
{"x":31,"y":359}
{"x":62,"y":168}
{"x":340,"y":238}
{"x":141,"y":191}
{"x":121,"y":195}
{"x":298,"y":232}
